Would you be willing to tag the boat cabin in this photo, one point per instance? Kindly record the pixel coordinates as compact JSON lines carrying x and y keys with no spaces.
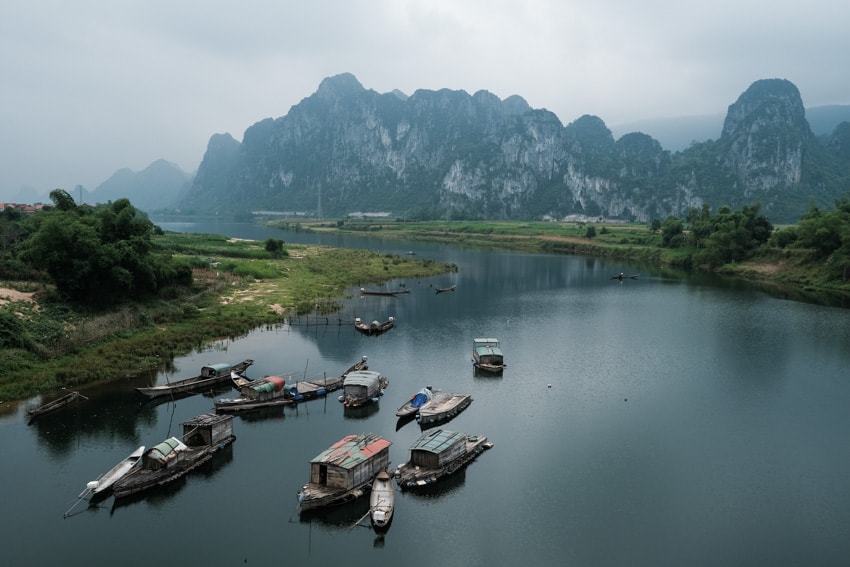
{"x":361,"y":386}
{"x":166,"y":454}
{"x":351,"y":461}
{"x":216,"y":370}
{"x":265,"y":388}
{"x":208,"y":429}
{"x":487,"y":352}
{"x":437,"y":448}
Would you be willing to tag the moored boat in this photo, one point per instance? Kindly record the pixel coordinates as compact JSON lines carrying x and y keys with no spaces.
{"x":364,"y":291}
{"x":102,"y":485}
{"x":363,"y":387}
{"x":436,"y":454}
{"x":202,"y":437}
{"x":53,"y":405}
{"x":375,"y":327}
{"x":209,"y":377}
{"x":443,"y":407}
{"x":487,"y":355}
{"x":382,"y":500}
{"x":319,"y":387}
{"x":264,"y":392}
{"x":344,"y":471}
{"x":416,"y":401}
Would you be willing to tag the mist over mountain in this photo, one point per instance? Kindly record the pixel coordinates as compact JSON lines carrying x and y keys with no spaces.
{"x":161,"y":185}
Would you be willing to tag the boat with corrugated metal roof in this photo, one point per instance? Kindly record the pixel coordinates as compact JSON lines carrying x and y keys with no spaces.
{"x":363,"y":387}
{"x":487,"y":355}
{"x":210,"y":376}
{"x":344,"y":471}
{"x":437,"y":454}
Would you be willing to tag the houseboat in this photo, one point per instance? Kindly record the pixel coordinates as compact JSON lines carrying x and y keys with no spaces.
{"x":319,"y":387}
{"x":173,"y":458}
{"x":487,"y":355}
{"x":362,"y":387}
{"x":436,"y":454}
{"x":344,"y":471}
{"x":210,"y":376}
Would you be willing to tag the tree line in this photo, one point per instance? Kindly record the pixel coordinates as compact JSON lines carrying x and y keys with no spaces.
{"x":729,"y":236}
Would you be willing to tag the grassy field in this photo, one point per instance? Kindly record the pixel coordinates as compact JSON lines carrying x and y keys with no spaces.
{"x":238,"y":286}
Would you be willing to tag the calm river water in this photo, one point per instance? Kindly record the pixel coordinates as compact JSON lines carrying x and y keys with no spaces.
{"x":666,"y":420}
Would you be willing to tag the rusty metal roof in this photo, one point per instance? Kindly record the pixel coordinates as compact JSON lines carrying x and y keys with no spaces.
{"x":352,"y":450}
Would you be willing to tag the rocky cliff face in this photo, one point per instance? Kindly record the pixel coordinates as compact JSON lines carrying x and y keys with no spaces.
{"x":448,"y":154}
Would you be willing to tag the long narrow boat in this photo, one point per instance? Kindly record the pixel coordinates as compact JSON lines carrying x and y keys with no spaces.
{"x":52,"y":405}
{"x":381,"y":500}
{"x":203,"y":436}
{"x":101,"y":486}
{"x":364,"y":291}
{"x":209,"y":376}
{"x":416,"y":401}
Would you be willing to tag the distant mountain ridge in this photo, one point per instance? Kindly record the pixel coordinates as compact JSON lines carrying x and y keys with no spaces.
{"x":161,"y":185}
{"x":676,"y":134}
{"x":449,"y":154}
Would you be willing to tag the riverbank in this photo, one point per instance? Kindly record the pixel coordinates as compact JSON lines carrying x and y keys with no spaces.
{"x":794,"y":272}
{"x":238,"y":286}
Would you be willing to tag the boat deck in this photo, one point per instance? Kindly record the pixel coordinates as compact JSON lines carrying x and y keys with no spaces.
{"x":442,"y":407}
{"x":409,"y":476}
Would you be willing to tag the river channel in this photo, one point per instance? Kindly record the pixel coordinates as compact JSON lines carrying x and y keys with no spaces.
{"x":663,"y":420}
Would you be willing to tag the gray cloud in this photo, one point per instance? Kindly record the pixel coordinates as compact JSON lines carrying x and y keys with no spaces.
{"x":90,"y":87}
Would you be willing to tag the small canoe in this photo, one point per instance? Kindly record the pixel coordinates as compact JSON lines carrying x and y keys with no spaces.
{"x":53,"y":405}
{"x":381,"y":500}
{"x":415,"y":402}
{"x":105,"y":482}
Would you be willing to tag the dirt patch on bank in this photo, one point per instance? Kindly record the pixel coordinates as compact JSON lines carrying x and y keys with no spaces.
{"x":7,"y":295}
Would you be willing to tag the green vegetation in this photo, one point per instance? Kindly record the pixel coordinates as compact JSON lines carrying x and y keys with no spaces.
{"x":814,"y":254}
{"x":53,"y":336}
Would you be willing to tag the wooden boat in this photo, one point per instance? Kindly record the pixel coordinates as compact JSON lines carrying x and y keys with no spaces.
{"x":362,"y":387}
{"x":487,"y":355}
{"x":416,"y":401}
{"x":621,"y":276}
{"x":381,"y":500}
{"x":262,"y":393}
{"x":100,"y":488}
{"x":209,"y":376}
{"x":344,"y":471}
{"x":437,"y":454}
{"x":375,"y":327}
{"x":102,"y":485}
{"x":316,"y":388}
{"x":239,"y":380}
{"x":53,"y":405}
{"x":445,"y":289}
{"x":443,"y":407}
{"x":364,"y":291}
{"x":202,"y":437}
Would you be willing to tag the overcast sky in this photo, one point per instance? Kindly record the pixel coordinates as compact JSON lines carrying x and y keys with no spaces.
{"x":89,"y":87}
